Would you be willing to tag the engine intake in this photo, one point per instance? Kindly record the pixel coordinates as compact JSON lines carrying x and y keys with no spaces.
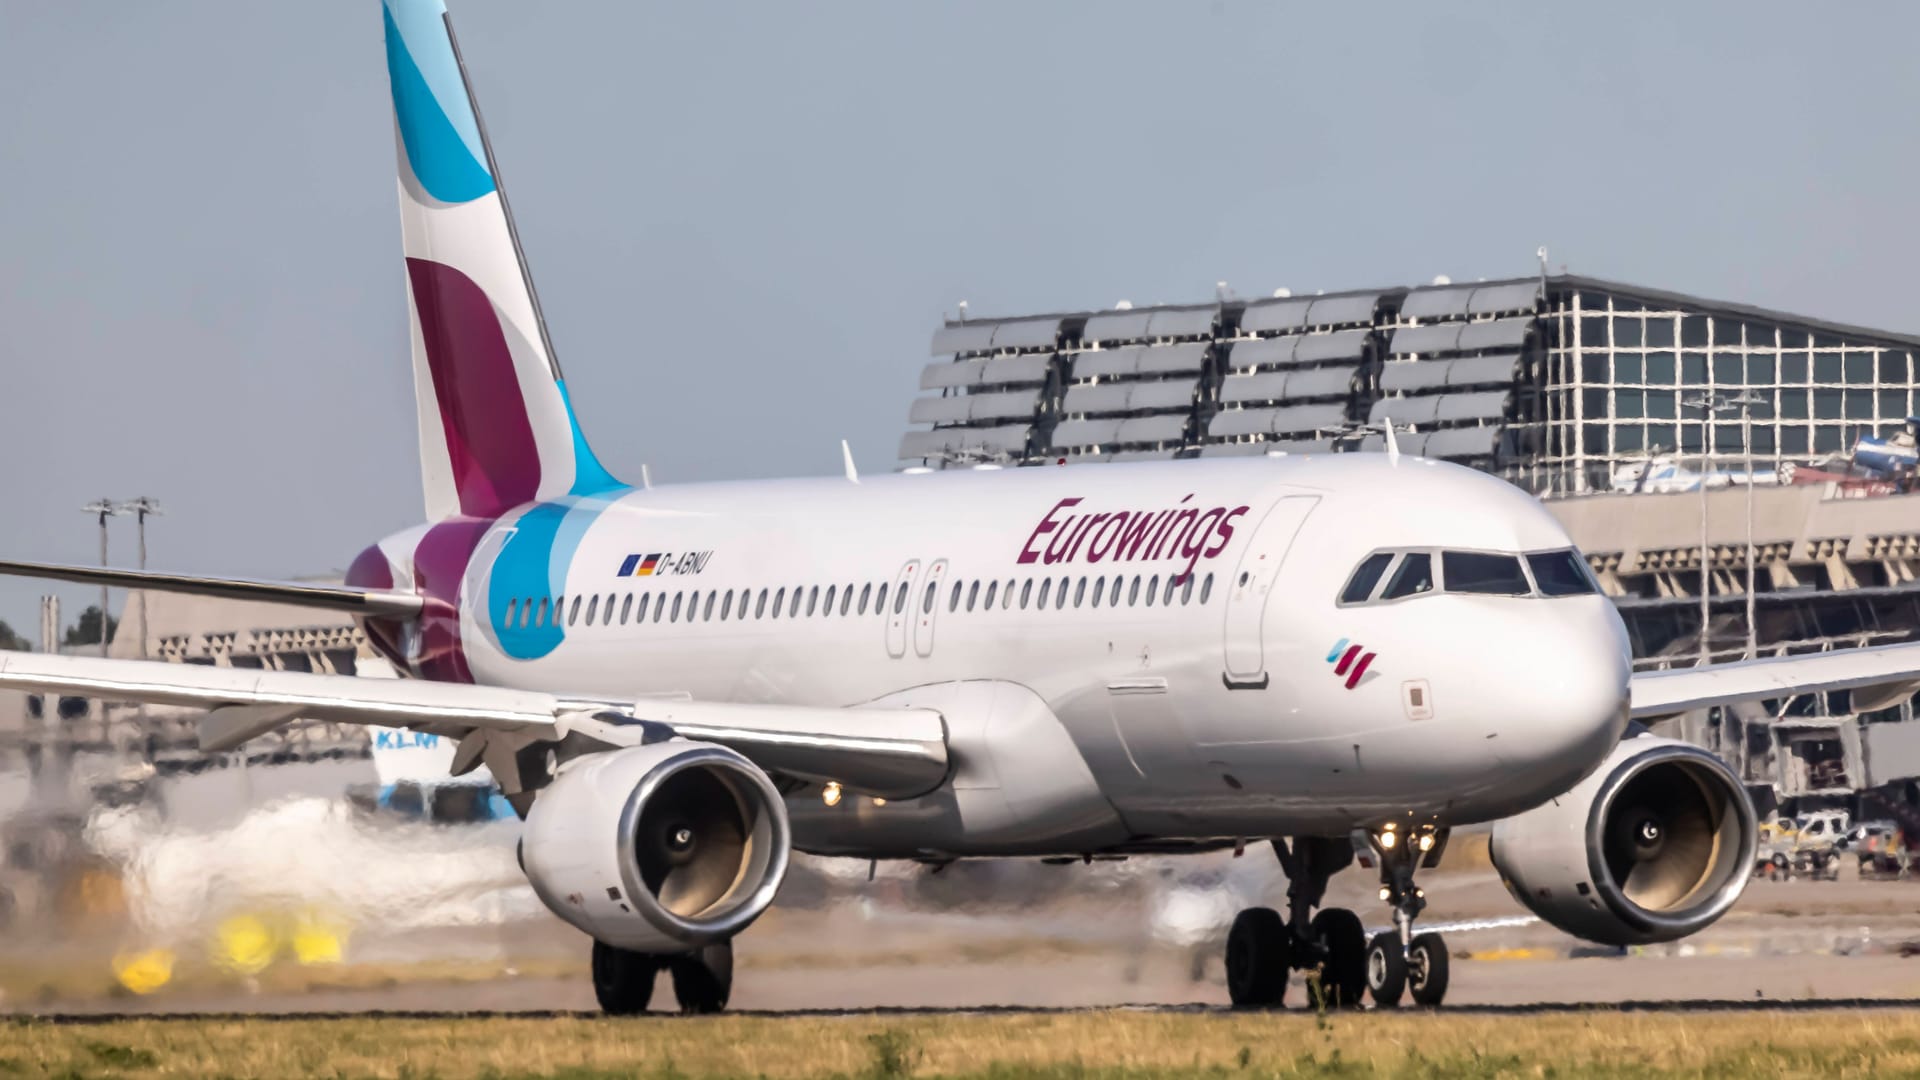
{"x":1656,"y":844}
{"x":659,"y":848}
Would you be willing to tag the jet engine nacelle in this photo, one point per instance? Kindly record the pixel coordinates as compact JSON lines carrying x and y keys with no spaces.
{"x":1654,"y":845}
{"x":658,"y":848}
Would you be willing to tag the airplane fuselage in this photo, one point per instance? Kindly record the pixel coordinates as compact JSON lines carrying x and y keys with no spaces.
{"x":1179,"y":621}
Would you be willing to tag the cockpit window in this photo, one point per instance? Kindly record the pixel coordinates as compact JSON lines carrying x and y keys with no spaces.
{"x":1483,"y":573}
{"x":1479,"y":572}
{"x":1414,"y":576}
{"x":1366,"y":577}
{"x":1560,"y":573}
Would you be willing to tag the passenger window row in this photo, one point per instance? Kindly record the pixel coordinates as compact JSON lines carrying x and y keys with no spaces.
{"x":720,"y":605}
{"x":1082,"y":591}
{"x":713,"y":605}
{"x":1486,"y":573}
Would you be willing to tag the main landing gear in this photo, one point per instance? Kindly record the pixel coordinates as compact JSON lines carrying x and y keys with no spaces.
{"x":1331,"y":945}
{"x":1262,"y":948}
{"x":1398,"y":960}
{"x":623,"y":980}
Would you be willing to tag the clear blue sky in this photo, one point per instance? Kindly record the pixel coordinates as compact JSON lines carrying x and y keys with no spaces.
{"x":747,"y":220}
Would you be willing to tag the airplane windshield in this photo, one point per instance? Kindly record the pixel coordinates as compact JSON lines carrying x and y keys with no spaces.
{"x":1560,"y":573}
{"x":1478,"y":572}
{"x":1482,"y":573}
{"x":1414,"y":576}
{"x":1365,"y":578}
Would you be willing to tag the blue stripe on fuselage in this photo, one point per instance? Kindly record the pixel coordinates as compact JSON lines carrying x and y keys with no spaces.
{"x":533,"y":565}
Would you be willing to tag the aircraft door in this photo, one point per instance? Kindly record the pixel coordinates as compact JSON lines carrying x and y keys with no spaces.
{"x":900,"y":608}
{"x":925,"y":607}
{"x":1248,"y":590}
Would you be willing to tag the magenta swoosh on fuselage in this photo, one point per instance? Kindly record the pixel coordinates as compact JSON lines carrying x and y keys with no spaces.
{"x":439,"y":566}
{"x":496,"y":465}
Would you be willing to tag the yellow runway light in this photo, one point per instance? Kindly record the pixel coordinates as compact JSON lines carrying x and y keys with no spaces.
{"x":145,"y":971}
{"x":317,"y":940}
{"x":245,"y":944}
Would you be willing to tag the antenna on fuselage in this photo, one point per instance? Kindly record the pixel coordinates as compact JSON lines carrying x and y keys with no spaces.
{"x":846,"y":458}
{"x":1393,"y":446}
{"x":646,"y":478}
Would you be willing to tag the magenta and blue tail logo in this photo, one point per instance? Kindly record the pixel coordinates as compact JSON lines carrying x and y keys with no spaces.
{"x":1349,"y":660}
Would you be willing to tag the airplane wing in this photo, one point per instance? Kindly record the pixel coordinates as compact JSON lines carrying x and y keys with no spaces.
{"x":331,"y":597}
{"x":890,"y":752}
{"x":1887,"y":672}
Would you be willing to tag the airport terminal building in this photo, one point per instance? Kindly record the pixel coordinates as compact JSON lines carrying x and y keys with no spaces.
{"x":1570,"y":387}
{"x":1553,"y":382}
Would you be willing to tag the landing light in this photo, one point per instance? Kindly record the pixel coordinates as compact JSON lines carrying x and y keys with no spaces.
{"x":1386,"y":839}
{"x":878,"y":801}
{"x":831,"y":793}
{"x":1426,"y":841}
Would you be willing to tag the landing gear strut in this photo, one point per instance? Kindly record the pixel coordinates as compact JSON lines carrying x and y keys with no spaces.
{"x":1399,"y":960}
{"x":623,"y":980}
{"x":1262,"y":948}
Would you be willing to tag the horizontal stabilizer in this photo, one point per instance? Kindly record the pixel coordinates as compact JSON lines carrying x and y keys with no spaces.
{"x":330,"y":597}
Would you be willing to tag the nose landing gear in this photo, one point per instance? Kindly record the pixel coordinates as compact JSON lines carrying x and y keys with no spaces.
{"x":1399,"y":960}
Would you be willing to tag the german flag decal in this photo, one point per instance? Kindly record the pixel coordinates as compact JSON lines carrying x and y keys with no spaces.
{"x":639,"y":565}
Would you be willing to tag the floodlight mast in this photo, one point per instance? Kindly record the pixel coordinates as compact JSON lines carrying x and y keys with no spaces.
{"x":141,"y":508}
{"x":104,"y":508}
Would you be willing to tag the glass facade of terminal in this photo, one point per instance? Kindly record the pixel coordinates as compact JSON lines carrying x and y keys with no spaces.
{"x":1622,"y":369}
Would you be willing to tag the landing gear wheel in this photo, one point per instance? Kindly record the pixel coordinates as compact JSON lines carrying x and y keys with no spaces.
{"x":1386,"y":970}
{"x":1427,"y":969}
{"x":623,"y":980}
{"x":1343,"y":978}
{"x":703,"y":979}
{"x":1259,"y":952}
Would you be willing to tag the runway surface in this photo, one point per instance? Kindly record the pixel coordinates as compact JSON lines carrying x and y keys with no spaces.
{"x":1701,"y":1005}
{"x":1044,"y":940}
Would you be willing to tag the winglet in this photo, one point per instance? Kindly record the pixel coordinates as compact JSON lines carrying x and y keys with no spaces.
{"x":846,"y":458}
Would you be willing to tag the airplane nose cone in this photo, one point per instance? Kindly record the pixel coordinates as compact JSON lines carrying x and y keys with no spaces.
{"x":1562,"y":698}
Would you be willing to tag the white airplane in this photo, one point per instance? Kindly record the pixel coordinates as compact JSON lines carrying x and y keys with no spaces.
{"x":1345,"y":655}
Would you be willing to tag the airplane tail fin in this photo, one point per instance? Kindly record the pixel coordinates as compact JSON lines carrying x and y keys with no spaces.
{"x":496,"y":426}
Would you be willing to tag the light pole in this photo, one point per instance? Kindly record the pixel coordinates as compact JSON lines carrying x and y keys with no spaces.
{"x":1710,"y":403}
{"x":105,"y":508}
{"x":1746,"y":401}
{"x":140,"y":508}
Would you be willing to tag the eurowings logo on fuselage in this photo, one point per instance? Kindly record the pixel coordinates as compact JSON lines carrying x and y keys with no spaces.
{"x":1349,"y":660}
{"x":1183,"y":532}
